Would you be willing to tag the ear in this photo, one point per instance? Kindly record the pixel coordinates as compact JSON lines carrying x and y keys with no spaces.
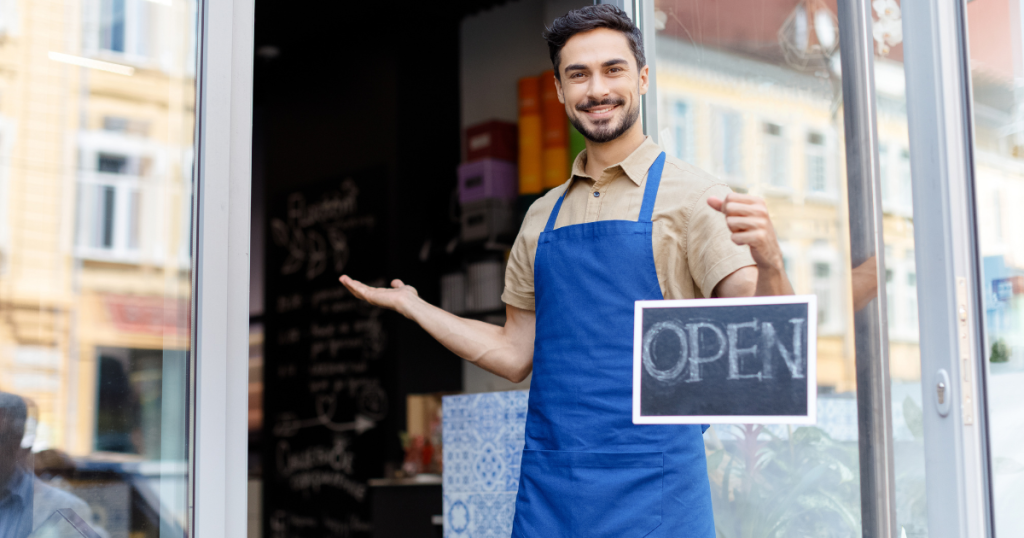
{"x":558,"y":90}
{"x":644,"y":79}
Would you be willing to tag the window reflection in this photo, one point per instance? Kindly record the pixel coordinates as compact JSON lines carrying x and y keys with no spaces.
{"x":997,"y":73}
{"x":96,"y":129}
{"x":761,"y":85}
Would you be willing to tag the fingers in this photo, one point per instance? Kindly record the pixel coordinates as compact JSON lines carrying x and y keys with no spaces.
{"x":396,"y":283}
{"x":742,"y":198}
{"x":755,"y":238}
{"x":715,"y":203}
{"x":743,"y":205}
{"x":742,"y":224}
{"x":357,"y":288}
{"x":742,"y":209}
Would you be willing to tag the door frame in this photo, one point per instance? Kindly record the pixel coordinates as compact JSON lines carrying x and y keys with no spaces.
{"x":220,"y":297}
{"x":950,"y":313}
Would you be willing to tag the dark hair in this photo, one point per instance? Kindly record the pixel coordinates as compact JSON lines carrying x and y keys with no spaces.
{"x":590,"y":18}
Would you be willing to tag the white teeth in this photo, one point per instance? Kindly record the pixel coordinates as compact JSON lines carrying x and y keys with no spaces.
{"x":599,"y":110}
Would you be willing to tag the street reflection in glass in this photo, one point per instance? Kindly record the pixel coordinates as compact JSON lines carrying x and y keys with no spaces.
{"x":96,"y":138}
{"x":997,"y":76}
{"x":750,"y":90}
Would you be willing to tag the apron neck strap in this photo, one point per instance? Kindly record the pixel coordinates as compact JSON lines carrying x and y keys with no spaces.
{"x":651,"y":190}
{"x":554,"y":212}
{"x":650,"y":194}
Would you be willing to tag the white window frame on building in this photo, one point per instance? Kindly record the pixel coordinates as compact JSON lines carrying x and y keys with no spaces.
{"x":775,"y":162}
{"x":826,"y":151}
{"x":6,"y":135}
{"x":126,"y":193}
{"x":828,"y":289}
{"x":727,"y":145}
{"x":679,"y":128}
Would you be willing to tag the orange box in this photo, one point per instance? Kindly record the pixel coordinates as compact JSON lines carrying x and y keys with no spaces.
{"x":530,"y":137}
{"x":555,"y":132}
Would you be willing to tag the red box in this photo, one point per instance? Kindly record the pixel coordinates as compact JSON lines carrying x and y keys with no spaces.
{"x":492,"y":140}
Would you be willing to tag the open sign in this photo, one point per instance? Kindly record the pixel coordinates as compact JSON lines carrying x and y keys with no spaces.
{"x":731,"y":361}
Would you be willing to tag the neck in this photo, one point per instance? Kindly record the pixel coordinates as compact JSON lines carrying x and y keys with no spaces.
{"x":601,"y":155}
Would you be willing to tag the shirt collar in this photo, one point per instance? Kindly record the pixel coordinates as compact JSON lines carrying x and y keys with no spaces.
{"x":635,"y":165}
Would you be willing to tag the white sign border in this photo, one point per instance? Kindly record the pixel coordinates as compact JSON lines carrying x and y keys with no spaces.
{"x":810,"y":418}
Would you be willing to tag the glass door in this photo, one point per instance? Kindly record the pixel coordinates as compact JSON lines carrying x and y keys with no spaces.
{"x":761,"y":95}
{"x":996,"y":69}
{"x":97,"y":124}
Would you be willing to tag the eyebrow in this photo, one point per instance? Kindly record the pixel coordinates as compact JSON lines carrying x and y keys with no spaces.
{"x":609,"y":63}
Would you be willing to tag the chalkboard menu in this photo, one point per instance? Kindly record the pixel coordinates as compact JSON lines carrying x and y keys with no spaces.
{"x":725,"y":361}
{"x":324,"y":389}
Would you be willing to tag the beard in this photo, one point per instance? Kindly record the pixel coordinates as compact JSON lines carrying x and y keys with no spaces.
{"x":604,"y":131}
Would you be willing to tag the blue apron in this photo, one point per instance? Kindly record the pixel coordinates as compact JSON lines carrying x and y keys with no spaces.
{"x":587,"y":470}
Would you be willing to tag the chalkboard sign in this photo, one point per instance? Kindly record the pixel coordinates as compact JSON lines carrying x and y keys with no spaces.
{"x":725,"y":361}
{"x":325,"y":370}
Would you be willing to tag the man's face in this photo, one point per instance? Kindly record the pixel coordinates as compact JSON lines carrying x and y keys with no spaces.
{"x":600,"y":84}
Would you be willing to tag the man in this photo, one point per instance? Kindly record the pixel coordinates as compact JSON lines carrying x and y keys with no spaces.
{"x":631,"y":224}
{"x":15,"y":481}
{"x":26,"y":502}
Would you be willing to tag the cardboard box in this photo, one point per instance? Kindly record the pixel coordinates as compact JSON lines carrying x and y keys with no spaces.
{"x":421,"y":412}
{"x":492,"y":140}
{"x":487,"y":219}
{"x":489,"y":178}
{"x":531,"y":165}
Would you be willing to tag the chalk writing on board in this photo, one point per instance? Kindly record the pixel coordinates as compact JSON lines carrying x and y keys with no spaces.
{"x":725,"y":361}
{"x":307,"y":247}
{"x":324,"y":399}
{"x":689,"y":359}
{"x":285,"y":524}
{"x":370,"y":398}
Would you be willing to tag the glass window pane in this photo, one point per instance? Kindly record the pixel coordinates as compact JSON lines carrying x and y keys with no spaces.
{"x":95,"y":170}
{"x":997,"y":76}
{"x":900,"y":273}
{"x":762,"y":83}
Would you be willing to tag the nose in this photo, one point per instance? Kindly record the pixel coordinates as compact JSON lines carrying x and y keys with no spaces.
{"x":597,"y":90}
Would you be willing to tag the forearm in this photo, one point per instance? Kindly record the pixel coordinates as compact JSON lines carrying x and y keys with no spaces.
{"x":772,"y":281}
{"x":490,"y":347}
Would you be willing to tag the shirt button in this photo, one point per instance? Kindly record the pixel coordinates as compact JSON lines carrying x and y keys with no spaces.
{"x":596,"y":194}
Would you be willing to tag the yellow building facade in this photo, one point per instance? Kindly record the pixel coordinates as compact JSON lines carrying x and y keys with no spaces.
{"x":777,"y":132}
{"x":96,"y":128}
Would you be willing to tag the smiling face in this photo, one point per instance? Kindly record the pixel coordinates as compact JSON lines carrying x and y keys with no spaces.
{"x":600,"y":84}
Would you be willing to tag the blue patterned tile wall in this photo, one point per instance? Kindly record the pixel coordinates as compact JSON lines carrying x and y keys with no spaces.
{"x":482,"y":449}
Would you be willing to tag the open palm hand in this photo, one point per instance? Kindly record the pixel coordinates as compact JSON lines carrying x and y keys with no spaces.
{"x":393,"y":298}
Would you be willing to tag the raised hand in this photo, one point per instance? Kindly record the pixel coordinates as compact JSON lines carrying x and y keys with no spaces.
{"x":748,"y":220}
{"x":396,"y":298}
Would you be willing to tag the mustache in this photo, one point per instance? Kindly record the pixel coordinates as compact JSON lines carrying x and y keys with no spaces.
{"x":584,"y":106}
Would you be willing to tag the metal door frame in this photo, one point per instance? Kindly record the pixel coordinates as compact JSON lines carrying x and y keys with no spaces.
{"x":939,"y":113}
{"x":220,"y":296}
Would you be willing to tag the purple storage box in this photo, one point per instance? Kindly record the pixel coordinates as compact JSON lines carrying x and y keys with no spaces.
{"x":488,"y":178}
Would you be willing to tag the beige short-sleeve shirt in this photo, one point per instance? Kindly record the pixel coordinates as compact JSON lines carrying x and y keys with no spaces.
{"x":693,"y":249}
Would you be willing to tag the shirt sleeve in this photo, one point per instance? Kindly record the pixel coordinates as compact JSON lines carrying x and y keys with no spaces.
{"x":711,"y":253}
{"x":519,"y":270}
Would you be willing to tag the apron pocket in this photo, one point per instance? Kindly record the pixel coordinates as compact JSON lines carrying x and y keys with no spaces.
{"x":590,"y":494}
